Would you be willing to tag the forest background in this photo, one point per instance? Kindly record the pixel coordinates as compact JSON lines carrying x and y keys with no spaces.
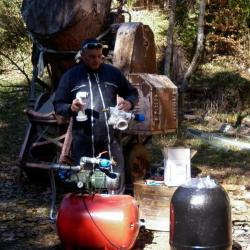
{"x":217,"y":97}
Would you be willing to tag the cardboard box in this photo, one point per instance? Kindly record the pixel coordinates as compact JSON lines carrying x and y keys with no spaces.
{"x":177,"y":166}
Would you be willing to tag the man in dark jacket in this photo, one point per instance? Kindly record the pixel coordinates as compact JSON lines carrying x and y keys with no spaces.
{"x":101,"y":84}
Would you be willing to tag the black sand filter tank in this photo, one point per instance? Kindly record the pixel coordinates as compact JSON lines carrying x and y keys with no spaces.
{"x":200,"y":216}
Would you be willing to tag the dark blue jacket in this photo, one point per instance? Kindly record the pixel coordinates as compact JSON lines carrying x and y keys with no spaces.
{"x":103,"y":86}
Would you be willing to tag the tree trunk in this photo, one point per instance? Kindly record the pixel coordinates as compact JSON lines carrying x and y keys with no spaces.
{"x":170,"y":34}
{"x":192,"y":67}
{"x":178,"y":64}
{"x":200,"y":45}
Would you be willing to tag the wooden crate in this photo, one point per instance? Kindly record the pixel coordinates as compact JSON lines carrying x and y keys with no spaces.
{"x":154,"y":205}
{"x":158,"y":103}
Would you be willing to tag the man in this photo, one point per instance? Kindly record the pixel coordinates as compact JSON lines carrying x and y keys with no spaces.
{"x":101,"y":83}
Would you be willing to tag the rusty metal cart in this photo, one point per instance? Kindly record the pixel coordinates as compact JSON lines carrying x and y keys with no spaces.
{"x":57,"y":29}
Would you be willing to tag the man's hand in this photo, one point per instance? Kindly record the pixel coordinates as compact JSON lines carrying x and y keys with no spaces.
{"x":76,"y":105}
{"x":124,"y":105}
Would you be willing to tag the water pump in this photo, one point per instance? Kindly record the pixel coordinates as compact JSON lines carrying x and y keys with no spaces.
{"x":93,"y":220}
{"x":95,"y":179}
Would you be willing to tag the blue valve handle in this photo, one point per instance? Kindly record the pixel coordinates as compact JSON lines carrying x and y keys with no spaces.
{"x":139,"y":118}
{"x":105,"y":163}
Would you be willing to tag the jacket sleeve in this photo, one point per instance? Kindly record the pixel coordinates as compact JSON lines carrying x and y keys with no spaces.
{"x":63,"y":97}
{"x":127,"y":91}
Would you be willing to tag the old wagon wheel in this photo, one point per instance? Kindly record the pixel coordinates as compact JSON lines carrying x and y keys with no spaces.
{"x":137,"y":161}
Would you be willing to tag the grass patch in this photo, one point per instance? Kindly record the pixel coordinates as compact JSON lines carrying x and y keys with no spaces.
{"x":158,"y":22}
{"x":12,"y":119}
{"x":226,"y":166}
{"x":215,"y":157}
{"x":220,"y":90}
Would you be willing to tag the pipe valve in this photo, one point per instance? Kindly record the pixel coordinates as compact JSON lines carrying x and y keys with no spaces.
{"x":81,"y":116}
{"x":120,"y":119}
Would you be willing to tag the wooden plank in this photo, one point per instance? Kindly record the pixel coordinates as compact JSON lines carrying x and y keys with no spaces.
{"x":155,"y":213}
{"x":159,"y":201}
{"x":141,"y":188}
{"x":158,"y":225}
{"x":65,"y":152}
{"x":154,"y":205}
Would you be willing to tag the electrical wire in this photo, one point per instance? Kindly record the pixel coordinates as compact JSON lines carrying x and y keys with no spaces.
{"x":99,"y":229}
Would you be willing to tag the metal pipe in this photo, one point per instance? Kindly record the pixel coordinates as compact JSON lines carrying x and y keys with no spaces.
{"x":52,"y":214}
{"x":45,"y":165}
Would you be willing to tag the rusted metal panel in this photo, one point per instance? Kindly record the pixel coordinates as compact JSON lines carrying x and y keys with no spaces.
{"x":135,"y":49}
{"x":65,"y":152}
{"x":158,"y":103}
{"x":62,"y":25}
{"x":38,"y":115}
{"x":46,"y":17}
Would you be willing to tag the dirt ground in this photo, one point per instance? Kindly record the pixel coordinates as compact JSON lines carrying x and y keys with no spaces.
{"x":24,"y":211}
{"x":24,"y":207}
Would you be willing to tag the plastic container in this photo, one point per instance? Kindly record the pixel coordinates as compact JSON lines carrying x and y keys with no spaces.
{"x":177,"y":166}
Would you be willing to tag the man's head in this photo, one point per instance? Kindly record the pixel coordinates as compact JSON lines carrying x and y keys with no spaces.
{"x":91,"y":52}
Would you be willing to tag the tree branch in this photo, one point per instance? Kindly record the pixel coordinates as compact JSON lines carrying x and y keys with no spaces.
{"x":16,"y":65}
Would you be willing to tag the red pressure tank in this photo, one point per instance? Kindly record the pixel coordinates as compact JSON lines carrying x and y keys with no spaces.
{"x":98,"y":221}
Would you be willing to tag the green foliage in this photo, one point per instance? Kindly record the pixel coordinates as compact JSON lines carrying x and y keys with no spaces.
{"x":130,"y":3}
{"x":187,"y":12}
{"x":225,"y":22}
{"x":12,"y":31}
{"x":225,"y":89}
{"x":241,"y":11}
{"x":156,"y":20}
{"x":13,"y":36}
